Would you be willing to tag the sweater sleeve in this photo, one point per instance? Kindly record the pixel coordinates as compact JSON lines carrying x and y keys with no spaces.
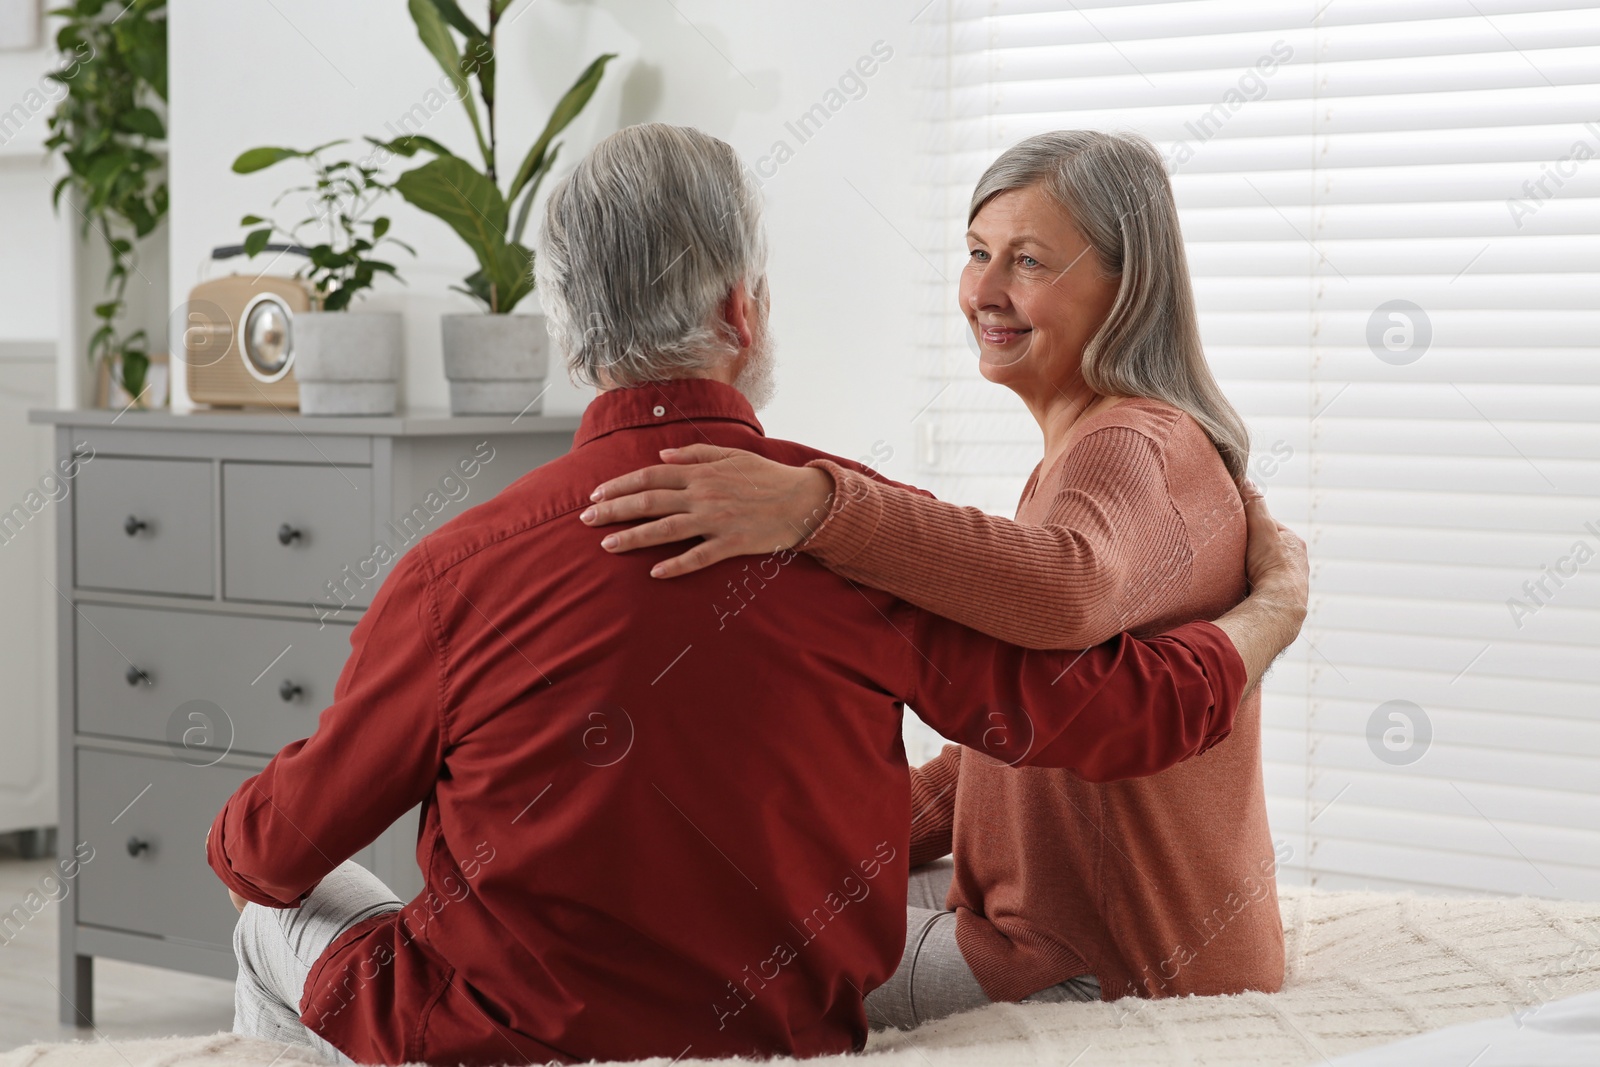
{"x":1112,"y":554}
{"x":933,"y":805}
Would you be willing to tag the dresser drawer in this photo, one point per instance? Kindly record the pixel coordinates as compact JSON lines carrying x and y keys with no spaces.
{"x":289,"y":529}
{"x":147,"y":819}
{"x":139,"y":669}
{"x":144,"y":525}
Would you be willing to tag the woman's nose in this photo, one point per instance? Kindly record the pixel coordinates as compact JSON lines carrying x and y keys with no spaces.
{"x":988,"y":289}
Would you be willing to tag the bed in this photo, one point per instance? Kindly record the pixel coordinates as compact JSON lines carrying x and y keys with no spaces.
{"x":1365,"y":971}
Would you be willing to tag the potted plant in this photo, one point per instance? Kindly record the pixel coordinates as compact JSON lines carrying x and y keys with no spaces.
{"x":495,"y":362}
{"x":109,"y":131}
{"x":345,"y":364}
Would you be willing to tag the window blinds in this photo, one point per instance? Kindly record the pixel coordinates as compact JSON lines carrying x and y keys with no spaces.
{"x":1392,"y":212}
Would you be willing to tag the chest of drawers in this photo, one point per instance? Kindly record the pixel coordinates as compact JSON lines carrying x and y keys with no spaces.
{"x":210,"y":568}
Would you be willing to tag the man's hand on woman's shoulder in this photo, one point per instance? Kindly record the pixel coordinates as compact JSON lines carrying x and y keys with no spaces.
{"x":1275,"y":560}
{"x":1269,"y":619}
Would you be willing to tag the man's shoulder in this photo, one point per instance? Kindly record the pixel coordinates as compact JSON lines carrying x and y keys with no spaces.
{"x":531,"y":503}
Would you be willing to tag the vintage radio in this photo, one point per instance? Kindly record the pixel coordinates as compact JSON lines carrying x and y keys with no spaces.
{"x":238,"y":341}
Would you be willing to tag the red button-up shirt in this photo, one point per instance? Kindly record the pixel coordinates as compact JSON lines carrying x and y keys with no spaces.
{"x":659,"y":817}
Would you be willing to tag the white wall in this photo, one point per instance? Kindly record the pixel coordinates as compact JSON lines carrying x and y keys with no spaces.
{"x":843,"y":279}
{"x":28,"y":232}
{"x":29,"y":322}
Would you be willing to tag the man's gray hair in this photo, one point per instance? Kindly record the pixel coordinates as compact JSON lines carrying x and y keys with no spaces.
{"x":640,"y":246}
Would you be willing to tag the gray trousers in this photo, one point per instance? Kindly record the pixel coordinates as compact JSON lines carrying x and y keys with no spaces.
{"x":276,"y":948}
{"x":933,"y":980}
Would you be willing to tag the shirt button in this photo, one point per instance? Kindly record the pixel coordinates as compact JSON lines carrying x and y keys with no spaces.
{"x":658,"y":411}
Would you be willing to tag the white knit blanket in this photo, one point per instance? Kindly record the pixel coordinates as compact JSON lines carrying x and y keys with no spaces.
{"x":1364,"y":969}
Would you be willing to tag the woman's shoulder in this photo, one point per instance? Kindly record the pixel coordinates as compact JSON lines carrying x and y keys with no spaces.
{"x":1166,"y":425}
{"x":1159,"y":436}
{"x":1122,"y":443}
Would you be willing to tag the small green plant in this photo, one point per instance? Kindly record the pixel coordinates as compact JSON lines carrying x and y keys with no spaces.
{"x":338,"y":237}
{"x":108,"y":130}
{"x":468,"y":199}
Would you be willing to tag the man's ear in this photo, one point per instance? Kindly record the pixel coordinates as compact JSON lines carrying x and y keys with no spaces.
{"x":738,"y":311}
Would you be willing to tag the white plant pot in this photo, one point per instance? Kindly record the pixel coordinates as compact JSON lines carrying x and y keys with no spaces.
{"x":347,"y":363}
{"x":496,"y":364}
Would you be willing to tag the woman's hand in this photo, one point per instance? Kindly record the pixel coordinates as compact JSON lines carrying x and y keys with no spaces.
{"x":742,"y":504}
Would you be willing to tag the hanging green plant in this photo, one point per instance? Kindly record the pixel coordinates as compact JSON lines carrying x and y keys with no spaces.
{"x":468,"y":199}
{"x":108,"y":130}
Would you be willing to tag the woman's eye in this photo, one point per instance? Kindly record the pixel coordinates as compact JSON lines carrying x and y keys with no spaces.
{"x":978,"y":255}
{"x":1027,"y":261}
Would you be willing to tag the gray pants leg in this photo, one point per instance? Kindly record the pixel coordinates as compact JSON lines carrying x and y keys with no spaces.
{"x":933,"y":980}
{"x":277,"y":947}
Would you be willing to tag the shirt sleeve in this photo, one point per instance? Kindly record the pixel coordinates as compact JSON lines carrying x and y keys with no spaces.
{"x":933,"y":806}
{"x":1126,"y":708}
{"x":1112,"y":555}
{"x":375,"y":754}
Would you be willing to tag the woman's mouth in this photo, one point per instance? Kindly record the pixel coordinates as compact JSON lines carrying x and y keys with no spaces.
{"x":999,"y":336}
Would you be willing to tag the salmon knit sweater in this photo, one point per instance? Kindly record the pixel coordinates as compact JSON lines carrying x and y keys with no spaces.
{"x":1159,"y":886}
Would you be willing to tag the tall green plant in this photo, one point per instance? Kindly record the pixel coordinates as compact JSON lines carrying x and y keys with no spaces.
{"x":108,"y":129}
{"x":467,"y":198}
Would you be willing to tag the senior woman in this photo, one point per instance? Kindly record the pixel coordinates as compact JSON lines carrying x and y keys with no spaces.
{"x":1078,"y":294}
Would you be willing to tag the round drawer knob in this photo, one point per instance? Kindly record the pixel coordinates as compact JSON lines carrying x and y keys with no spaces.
{"x":133,"y":525}
{"x":135,"y":676}
{"x":136,"y":846}
{"x":289,"y":692}
{"x":287,"y":534}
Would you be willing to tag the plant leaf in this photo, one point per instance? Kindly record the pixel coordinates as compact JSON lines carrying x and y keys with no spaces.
{"x":147,"y":59}
{"x":256,"y":240}
{"x":450,"y":189}
{"x":409,"y":144}
{"x":503,"y":286}
{"x":479,"y":59}
{"x":135,"y":367}
{"x":251,"y":220}
{"x":254,"y":159}
{"x":435,"y":35}
{"x":451,"y":12}
{"x":142,"y":120}
{"x":532,"y":191}
{"x":566,"y":110}
{"x":516,"y":268}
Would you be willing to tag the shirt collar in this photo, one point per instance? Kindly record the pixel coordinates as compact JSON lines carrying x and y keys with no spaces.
{"x":658,"y":403}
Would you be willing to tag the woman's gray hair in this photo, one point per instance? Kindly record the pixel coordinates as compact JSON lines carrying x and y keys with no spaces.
{"x":1115,"y":188}
{"x":640,"y":246}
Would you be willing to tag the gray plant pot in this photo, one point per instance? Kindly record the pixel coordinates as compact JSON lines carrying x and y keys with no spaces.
{"x":347,"y":363}
{"x":496,"y":364}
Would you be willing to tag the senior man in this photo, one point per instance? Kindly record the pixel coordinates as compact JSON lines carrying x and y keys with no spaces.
{"x":659,"y":818}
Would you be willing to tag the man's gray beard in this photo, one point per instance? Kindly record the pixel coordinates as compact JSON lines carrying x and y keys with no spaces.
{"x":757,"y":380}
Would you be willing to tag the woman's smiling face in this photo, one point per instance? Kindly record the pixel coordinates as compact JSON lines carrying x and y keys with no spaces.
{"x":1033,"y":292}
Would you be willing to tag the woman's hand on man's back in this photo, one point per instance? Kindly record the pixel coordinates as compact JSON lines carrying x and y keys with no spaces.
{"x":739,"y":503}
